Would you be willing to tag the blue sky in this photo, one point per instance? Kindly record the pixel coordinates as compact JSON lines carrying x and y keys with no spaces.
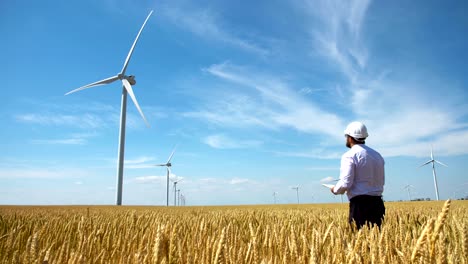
{"x":255,"y":94}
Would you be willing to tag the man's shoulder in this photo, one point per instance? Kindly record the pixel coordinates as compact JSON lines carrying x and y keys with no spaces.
{"x":361,"y":149}
{"x":350,"y":153}
{"x":371,"y":151}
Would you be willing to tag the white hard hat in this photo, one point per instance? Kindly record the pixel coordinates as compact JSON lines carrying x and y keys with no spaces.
{"x":356,"y":130}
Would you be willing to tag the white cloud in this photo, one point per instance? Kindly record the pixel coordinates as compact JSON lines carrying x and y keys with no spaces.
{"x":139,"y":163}
{"x":318,"y":153}
{"x":75,"y":139}
{"x":87,"y":116}
{"x":150,"y":179}
{"x":41,"y":173}
{"x":69,"y":141}
{"x":337,"y":36}
{"x":157,"y":179}
{"x":327,"y":179}
{"x":236,"y":181}
{"x":277,"y":105}
{"x":205,"y":23}
{"x":220,"y":141}
{"x":82,"y":121}
{"x":402,"y":118}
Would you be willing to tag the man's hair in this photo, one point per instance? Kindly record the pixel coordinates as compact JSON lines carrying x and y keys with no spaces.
{"x":359,"y":140}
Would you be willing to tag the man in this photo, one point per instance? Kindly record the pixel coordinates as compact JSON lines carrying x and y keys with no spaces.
{"x":362,"y":177}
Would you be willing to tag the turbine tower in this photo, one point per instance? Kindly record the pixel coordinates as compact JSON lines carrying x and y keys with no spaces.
{"x":168,"y":166}
{"x":178,"y":196}
{"x":433,"y":161}
{"x":175,"y":189}
{"x":127,"y":82}
{"x":274,"y":196}
{"x":408,"y":187}
{"x":297,"y":192}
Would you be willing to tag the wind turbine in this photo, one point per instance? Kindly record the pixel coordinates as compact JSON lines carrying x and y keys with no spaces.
{"x":178,"y":196}
{"x":127,"y":82}
{"x":168,"y":166}
{"x":297,"y":192}
{"x":182,"y":199}
{"x":408,"y":187}
{"x":274,"y":196}
{"x":175,"y":189}
{"x":432,"y":160}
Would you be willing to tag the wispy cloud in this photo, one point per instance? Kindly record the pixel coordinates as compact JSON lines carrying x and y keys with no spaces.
{"x":140,"y":163}
{"x":401,"y":117}
{"x":41,"y":173}
{"x":327,"y":179}
{"x":157,"y":179}
{"x":207,"y":24}
{"x":322,"y":153}
{"x":82,"y":121}
{"x":338,"y":36}
{"x":74,"y":139}
{"x":237,"y":181}
{"x":221,"y":141}
{"x":274,"y":104}
{"x":150,"y":179}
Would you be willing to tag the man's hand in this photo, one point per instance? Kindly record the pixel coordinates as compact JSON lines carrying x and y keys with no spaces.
{"x":331,"y":189}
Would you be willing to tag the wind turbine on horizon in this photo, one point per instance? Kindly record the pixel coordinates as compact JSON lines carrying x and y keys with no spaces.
{"x":168,"y":166}
{"x":408,"y":187}
{"x":297,"y":192}
{"x":127,"y":82}
{"x":433,"y":161}
{"x":274,"y":196}
{"x":175,"y":189}
{"x":178,"y":196}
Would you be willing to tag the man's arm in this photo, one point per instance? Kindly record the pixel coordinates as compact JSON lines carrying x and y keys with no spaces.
{"x":346,"y":176}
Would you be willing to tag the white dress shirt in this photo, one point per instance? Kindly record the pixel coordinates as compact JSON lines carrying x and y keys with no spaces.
{"x":361,"y":173}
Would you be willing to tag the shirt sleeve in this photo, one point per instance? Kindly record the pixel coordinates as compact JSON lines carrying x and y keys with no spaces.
{"x":346,"y":175}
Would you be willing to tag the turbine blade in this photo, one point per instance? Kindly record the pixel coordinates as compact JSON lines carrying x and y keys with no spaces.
{"x":133,"y":46}
{"x":425,"y":163}
{"x":162,"y":165}
{"x":440,"y":163}
{"x":129,"y":89}
{"x":101,"y":82}
{"x":172,"y":154}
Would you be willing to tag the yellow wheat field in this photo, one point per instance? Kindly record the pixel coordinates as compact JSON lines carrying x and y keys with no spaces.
{"x":416,"y":232}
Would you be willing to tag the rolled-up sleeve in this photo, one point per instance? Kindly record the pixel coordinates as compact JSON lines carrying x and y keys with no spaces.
{"x":346,"y":175}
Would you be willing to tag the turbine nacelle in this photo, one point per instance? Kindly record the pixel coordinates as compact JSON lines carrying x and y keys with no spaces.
{"x":129,"y":78}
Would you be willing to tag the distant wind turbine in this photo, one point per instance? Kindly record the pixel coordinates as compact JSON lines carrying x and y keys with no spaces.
{"x":175,"y":189}
{"x":274,"y":196}
{"x":433,"y":161}
{"x":182,"y":199}
{"x":297,"y":192}
{"x":168,"y":166}
{"x":178,"y":196}
{"x":408,"y":187}
{"x":127,"y":82}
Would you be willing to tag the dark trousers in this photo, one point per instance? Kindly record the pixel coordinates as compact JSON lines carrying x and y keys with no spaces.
{"x":366,"y":209}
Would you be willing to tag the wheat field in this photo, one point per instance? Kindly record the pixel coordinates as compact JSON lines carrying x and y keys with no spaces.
{"x":415,"y":232}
